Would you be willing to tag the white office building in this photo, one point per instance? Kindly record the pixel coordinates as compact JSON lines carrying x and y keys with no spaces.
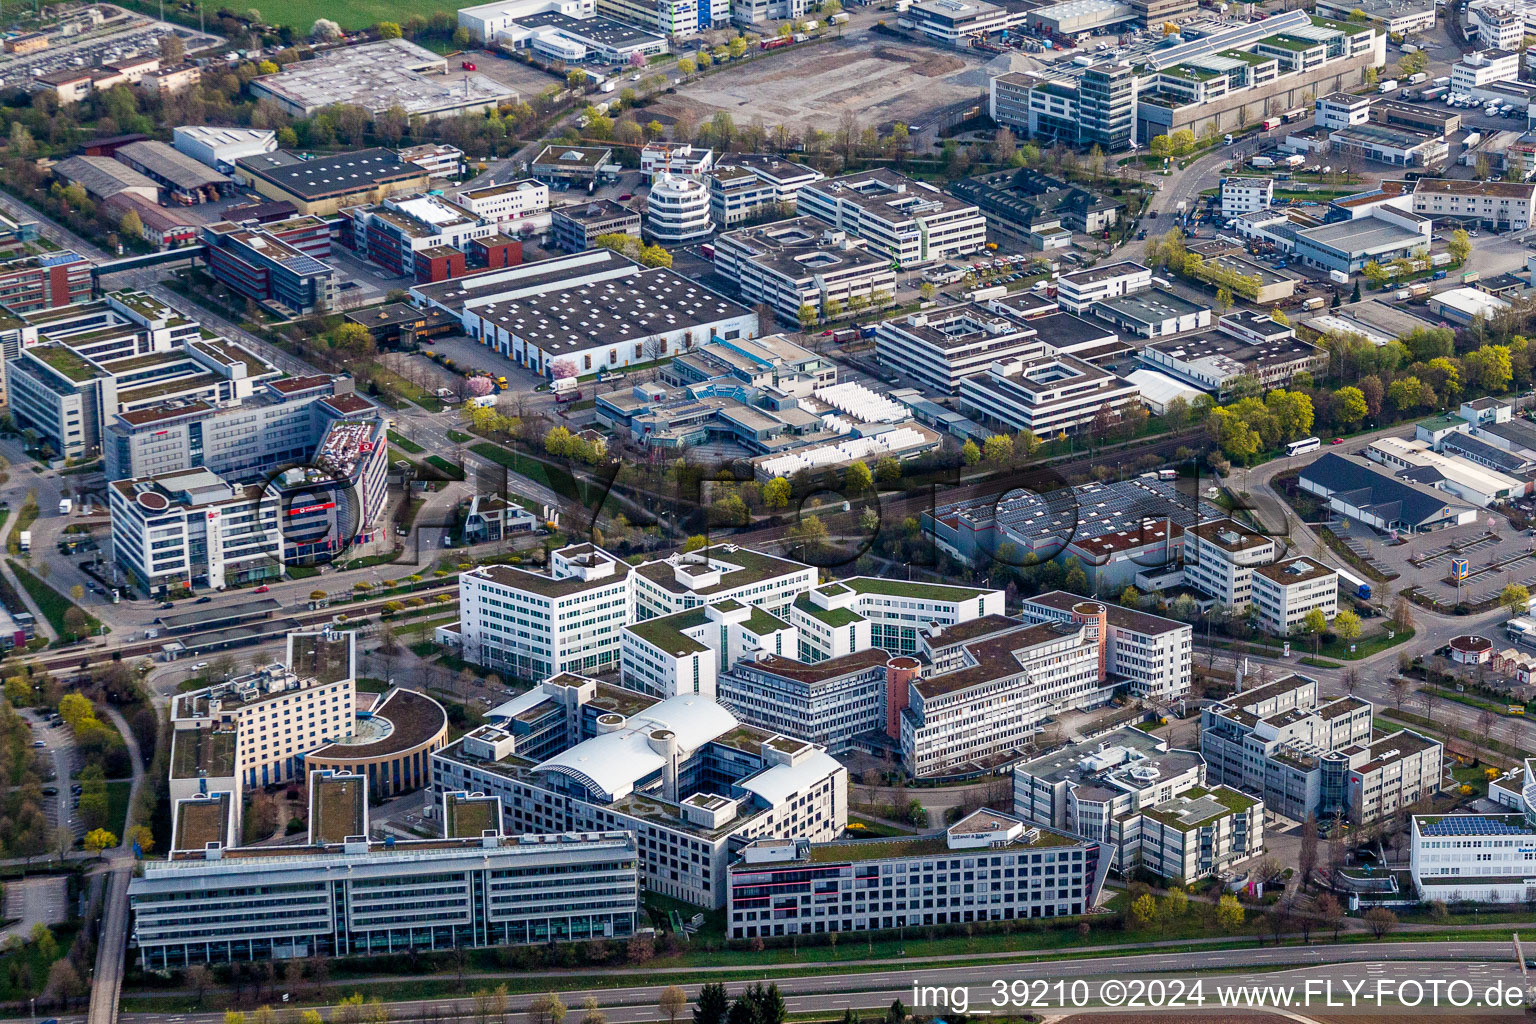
{"x":274,"y":716}
{"x":1082,"y":288}
{"x":793,"y":887}
{"x":1246,"y":195}
{"x":941,"y":347}
{"x":1197,"y":834}
{"x":193,"y":529}
{"x":1052,"y":395}
{"x":1222,"y":558}
{"x":684,"y":652}
{"x":519,"y":207}
{"x":717,"y":573}
{"x":1476,"y":858}
{"x":987,"y":686}
{"x":1151,"y":652}
{"x":912,"y":220}
{"x":212,"y":902}
{"x":677,"y":210}
{"x":683,"y":774}
{"x":530,"y":625}
{"x":1285,"y":592}
{"x":1500,"y":205}
{"x":1484,"y":67}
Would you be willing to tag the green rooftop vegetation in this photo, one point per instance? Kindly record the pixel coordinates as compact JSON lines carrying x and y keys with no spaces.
{"x":666,"y":633}
{"x":1246,"y":57}
{"x":761,"y":622}
{"x":338,"y":810}
{"x":467,"y":819}
{"x":325,"y":660}
{"x":879,"y":849}
{"x":905,"y":588}
{"x":145,"y":305}
{"x":67,"y":361}
{"x":1288,"y":43}
{"x":833,"y":617}
{"x":201,"y":749}
{"x":160,"y":389}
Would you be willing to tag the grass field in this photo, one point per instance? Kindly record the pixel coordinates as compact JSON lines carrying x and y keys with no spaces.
{"x":349,"y":14}
{"x":52,"y":604}
{"x":117,"y":805}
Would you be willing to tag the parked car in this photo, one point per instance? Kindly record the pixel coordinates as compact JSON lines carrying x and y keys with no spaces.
{"x":199,"y":666}
{"x":263,"y":589}
{"x":467,"y":65}
{"x":203,"y":600}
{"x":1337,"y":440}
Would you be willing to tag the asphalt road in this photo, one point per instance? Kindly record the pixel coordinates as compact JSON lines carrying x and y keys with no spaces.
{"x":1482,"y":964}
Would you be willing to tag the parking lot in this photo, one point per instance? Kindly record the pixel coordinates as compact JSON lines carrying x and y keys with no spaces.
{"x":126,"y":37}
{"x":1494,"y":560}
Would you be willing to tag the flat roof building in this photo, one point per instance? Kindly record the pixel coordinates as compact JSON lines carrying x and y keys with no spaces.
{"x":790,"y":264}
{"x":324,"y":185}
{"x":380,"y":75}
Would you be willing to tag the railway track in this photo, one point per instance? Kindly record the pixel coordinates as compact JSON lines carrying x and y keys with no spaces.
{"x":81,"y":657}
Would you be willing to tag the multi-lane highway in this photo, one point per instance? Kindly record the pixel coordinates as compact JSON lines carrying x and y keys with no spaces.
{"x":1379,"y":967}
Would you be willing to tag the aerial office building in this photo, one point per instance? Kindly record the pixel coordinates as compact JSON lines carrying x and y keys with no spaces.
{"x":989,"y":866}
{"x":683,"y":774}
{"x":342,"y":894}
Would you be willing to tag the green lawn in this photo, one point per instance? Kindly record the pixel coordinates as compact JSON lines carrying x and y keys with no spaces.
{"x":397,"y":438}
{"x":420,"y":396}
{"x":453,"y":435}
{"x":53,"y":604}
{"x":117,"y":806}
{"x":448,"y":468}
{"x":349,"y":14}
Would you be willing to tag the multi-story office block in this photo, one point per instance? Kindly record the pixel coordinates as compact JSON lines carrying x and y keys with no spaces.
{"x":1303,"y":756}
{"x":1222,"y":558}
{"x":266,"y":268}
{"x":1284,"y":592}
{"x":749,"y":185}
{"x":989,"y":866}
{"x":830,"y":702}
{"x":1082,"y":288}
{"x":1391,"y":774}
{"x":684,"y":652}
{"x":1475,"y":858}
{"x":534,"y":624}
{"x":577,"y":228}
{"x":273,"y":717}
{"x":1201,"y":832}
{"x":988,"y":685}
{"x":1056,"y":394}
{"x":717,"y":573}
{"x":942,"y":347}
{"x":1084,"y":785}
{"x":177,"y":531}
{"x":44,"y":282}
{"x":1246,"y":195}
{"x":911,"y":220}
{"x":75,"y":368}
{"x":1151,"y":652}
{"x":208,"y":903}
{"x":683,"y":774}
{"x":791,"y":264}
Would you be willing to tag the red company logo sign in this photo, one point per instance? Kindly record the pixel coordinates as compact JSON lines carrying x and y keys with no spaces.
{"x":302,"y":509}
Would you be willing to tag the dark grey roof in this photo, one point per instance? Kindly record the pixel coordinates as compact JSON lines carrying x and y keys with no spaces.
{"x":341,"y":174}
{"x":1518,"y":432}
{"x":1359,"y":485}
{"x":1485,"y":453}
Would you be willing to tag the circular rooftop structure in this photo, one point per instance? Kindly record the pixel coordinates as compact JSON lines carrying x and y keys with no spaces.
{"x":152,"y":501}
{"x":1471,"y":649}
{"x":392,"y":744}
